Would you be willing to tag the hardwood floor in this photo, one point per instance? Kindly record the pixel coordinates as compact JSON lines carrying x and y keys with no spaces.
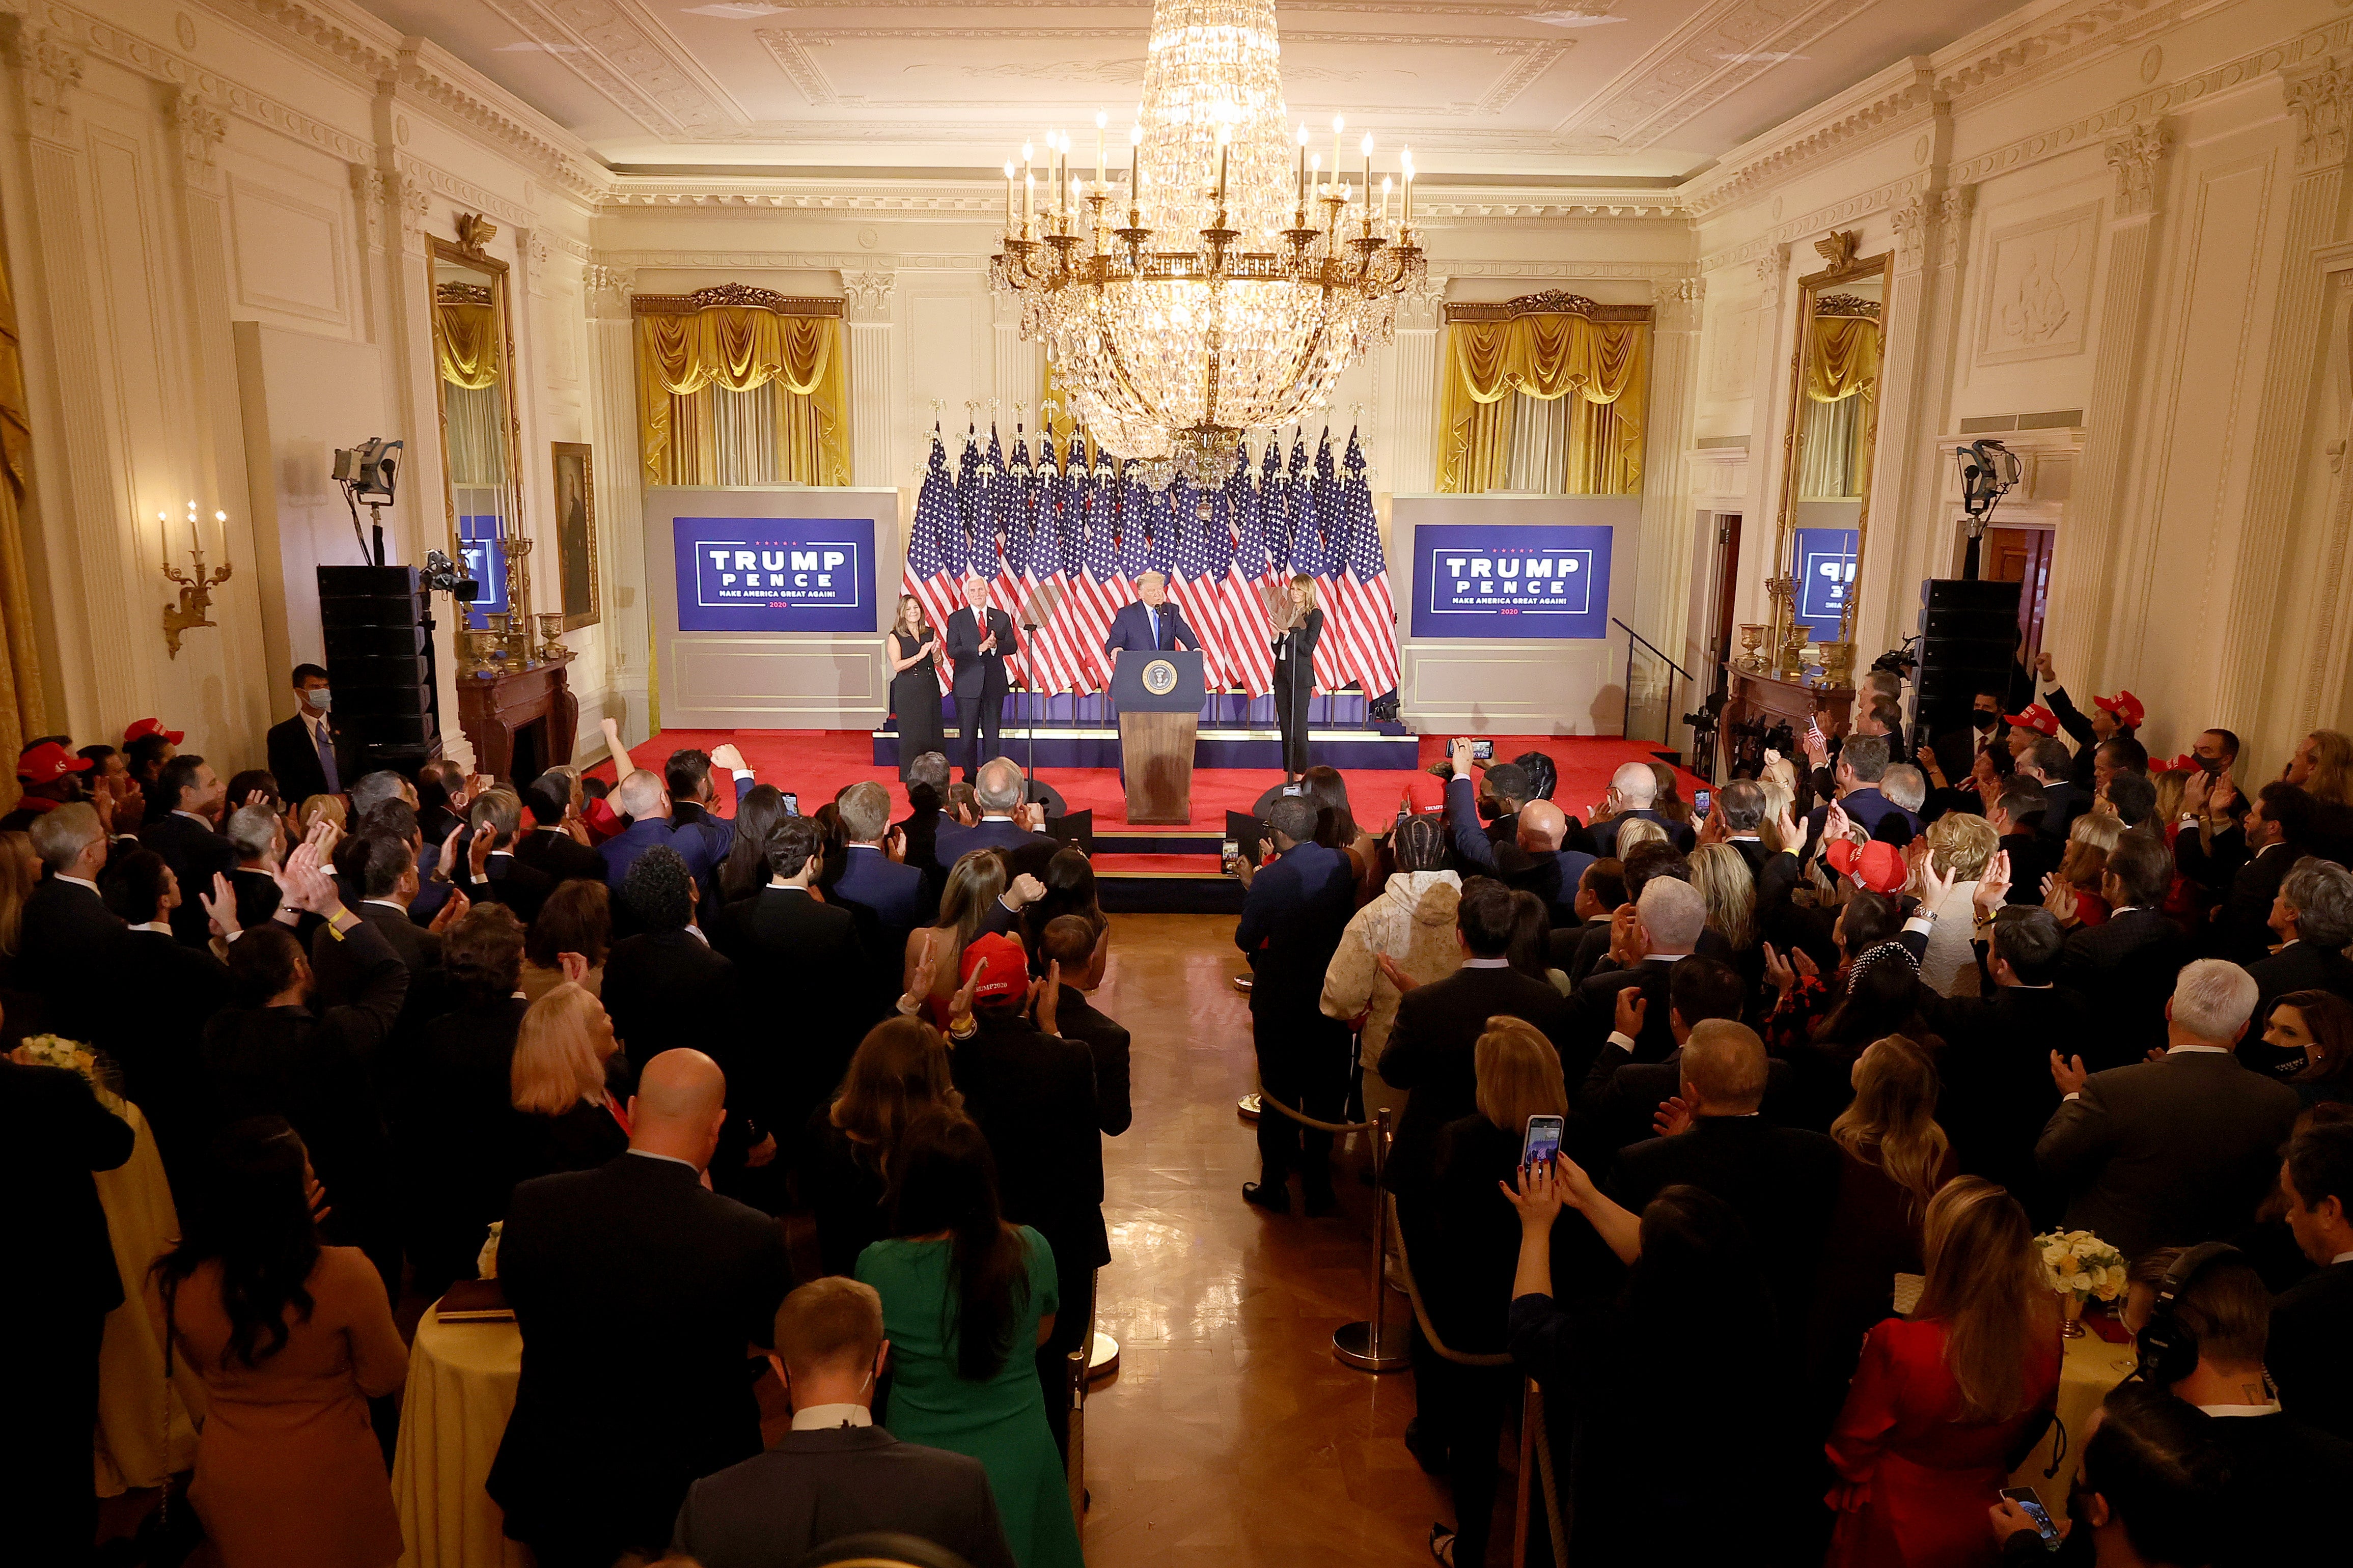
{"x":1230,"y":1435}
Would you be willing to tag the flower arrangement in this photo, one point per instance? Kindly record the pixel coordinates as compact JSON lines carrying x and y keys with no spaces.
{"x":2081,"y":1267}
{"x":55,"y":1051}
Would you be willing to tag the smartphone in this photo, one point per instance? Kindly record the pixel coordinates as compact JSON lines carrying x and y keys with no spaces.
{"x":1482,"y":751}
{"x":1702,"y":800}
{"x":2025,"y":1499}
{"x":1230,"y":859}
{"x":1543,"y":1139}
{"x":792,"y":803}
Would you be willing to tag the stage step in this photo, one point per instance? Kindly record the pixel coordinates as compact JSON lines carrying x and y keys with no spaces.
{"x":1130,"y":883}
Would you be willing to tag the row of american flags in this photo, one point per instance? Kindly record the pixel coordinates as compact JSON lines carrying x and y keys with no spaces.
{"x":1062,"y":539}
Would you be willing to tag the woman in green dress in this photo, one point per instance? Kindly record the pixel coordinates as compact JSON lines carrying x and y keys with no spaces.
{"x":964,"y":1297}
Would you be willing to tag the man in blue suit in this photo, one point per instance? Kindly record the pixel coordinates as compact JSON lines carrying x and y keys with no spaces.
{"x":1632,"y":788}
{"x":999,"y":790}
{"x":1298,"y":904}
{"x":1861,"y":764}
{"x":643,"y":799}
{"x":894,"y":891}
{"x":1531,"y":859}
{"x":1150,"y":623}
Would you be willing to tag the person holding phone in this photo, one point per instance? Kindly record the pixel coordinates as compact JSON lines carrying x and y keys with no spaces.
{"x":1295,"y":628}
{"x":2153,"y":1488}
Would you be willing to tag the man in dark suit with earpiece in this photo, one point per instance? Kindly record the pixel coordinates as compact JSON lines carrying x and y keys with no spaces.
{"x":980,"y":639}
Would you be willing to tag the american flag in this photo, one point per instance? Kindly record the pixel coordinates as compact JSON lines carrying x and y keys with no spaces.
{"x":1360,"y":576}
{"x":1094,"y":566}
{"x":1006,"y":593}
{"x":1205,"y":551}
{"x":929,"y":576}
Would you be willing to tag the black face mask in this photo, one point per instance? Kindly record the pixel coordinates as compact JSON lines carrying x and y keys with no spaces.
{"x":2213,"y":766}
{"x":1981,"y":719}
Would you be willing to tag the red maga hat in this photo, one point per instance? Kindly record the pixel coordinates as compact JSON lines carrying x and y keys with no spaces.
{"x":2126,"y":707}
{"x":48,"y":763}
{"x":146,"y":727}
{"x":1008,"y":968}
{"x":1875,"y":868}
{"x":2038,"y":719}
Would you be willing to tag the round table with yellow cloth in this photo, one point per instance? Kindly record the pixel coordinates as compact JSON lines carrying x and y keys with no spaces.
{"x":462,"y":1389}
{"x":2092,"y":1367}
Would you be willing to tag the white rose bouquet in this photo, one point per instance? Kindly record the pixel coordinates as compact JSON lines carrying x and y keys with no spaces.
{"x":2081,"y":1267}
{"x":54,"y":1051}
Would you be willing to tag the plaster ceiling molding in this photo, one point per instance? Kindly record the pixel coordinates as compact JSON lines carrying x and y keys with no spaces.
{"x":731,"y":260}
{"x":2054,"y":39}
{"x":625,"y":38}
{"x":327,"y":36}
{"x":1912,"y":102}
{"x":465,"y":193}
{"x":2037,"y":299}
{"x":1890,"y":195}
{"x":1723,"y":48}
{"x":432,"y":82}
{"x":658,"y":111}
{"x":1628,"y":271}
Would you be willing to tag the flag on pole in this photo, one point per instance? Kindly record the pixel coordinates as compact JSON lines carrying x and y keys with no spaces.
{"x":1365,"y":582}
{"x":928,"y":576}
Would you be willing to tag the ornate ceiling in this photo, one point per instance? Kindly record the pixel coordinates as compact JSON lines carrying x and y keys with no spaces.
{"x":1645,"y":90}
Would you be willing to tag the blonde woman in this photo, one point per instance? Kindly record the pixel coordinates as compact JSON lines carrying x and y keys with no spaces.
{"x":936,"y":951}
{"x":323,"y":807}
{"x":1958,"y":846}
{"x":1722,"y":877}
{"x":1411,"y":924}
{"x":571,"y":1119}
{"x":1637,"y":831}
{"x":912,"y":648}
{"x":1941,"y":1399}
{"x":1296,"y":627}
{"x":1463,"y":1246}
{"x":2323,"y":765}
{"x":2073,"y":891}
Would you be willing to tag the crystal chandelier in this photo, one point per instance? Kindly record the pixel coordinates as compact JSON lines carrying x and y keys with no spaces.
{"x":1237,"y":288}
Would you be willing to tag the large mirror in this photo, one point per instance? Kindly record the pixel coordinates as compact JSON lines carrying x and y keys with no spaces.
{"x":473,"y":350}
{"x":1833,"y":427}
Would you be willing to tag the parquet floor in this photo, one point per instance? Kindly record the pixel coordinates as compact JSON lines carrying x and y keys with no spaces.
{"x":1230,"y":1435}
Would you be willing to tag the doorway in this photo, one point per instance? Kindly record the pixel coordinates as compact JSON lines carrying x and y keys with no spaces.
{"x":1715,"y":600}
{"x":2022,"y":555}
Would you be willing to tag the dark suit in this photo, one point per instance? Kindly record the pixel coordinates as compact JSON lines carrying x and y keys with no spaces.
{"x":1957,"y":751}
{"x":1604,"y":833}
{"x":1552,"y":877}
{"x":819,"y":1486}
{"x":718,"y":833}
{"x":1996,"y":1067}
{"x":2064,"y":802}
{"x":1132,"y":628}
{"x":1783,"y":1181}
{"x":1034,"y":1097}
{"x":1076,"y":1017}
{"x":893,"y":890}
{"x":162,"y":997}
{"x":1431,"y":1048}
{"x":621,"y":851}
{"x":634,"y":1253}
{"x":2247,"y":884}
{"x":665,"y":989}
{"x":505,"y":881}
{"x":2125,"y":968}
{"x":196,"y":853}
{"x":1298,"y":905}
{"x":1872,"y":812}
{"x":2284,"y":1498}
{"x":2310,"y":1354}
{"x":2032,"y":857}
{"x":558,"y":854}
{"x":2077,"y":728}
{"x":979,"y":683}
{"x":1620,"y":1099}
{"x":1593,"y":1014}
{"x":2299,"y":967}
{"x":65,"y":955}
{"x":1295,"y":687}
{"x":955,"y":841}
{"x":294,"y":760}
{"x":2170,"y":1153}
{"x":806,"y":1008}
{"x":460,"y":1137}
{"x":53,"y":1234}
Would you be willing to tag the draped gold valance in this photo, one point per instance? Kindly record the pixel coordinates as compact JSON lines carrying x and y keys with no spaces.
{"x":1844,"y":358}
{"x":466,"y":341}
{"x":1605,"y":365}
{"x":681,"y":359}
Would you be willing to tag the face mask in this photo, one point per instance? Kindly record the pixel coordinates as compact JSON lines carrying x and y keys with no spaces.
{"x":1981,"y":719}
{"x":2212,"y":766}
{"x":322,"y":700}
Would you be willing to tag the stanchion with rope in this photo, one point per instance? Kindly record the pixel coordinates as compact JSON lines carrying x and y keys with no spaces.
{"x":1362,"y":1346}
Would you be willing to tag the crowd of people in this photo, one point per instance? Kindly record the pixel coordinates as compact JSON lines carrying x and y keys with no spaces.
{"x":1858,"y":1017}
{"x":592,"y":1041}
{"x":1851,"y":1018}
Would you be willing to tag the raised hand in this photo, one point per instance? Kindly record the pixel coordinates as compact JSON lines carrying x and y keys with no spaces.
{"x":1836,"y":823}
{"x":1785,"y":824}
{"x":2224,"y":795}
{"x":1458,"y":757}
{"x":1934,"y":884}
{"x":2068,"y":1073}
{"x":451,"y":914}
{"x":2194,"y":792}
{"x":960,"y":1004}
{"x":920,"y":972}
{"x":1632,"y":1007}
{"x":1539,"y":1193}
{"x":1993,"y":882}
{"x":1045,"y":996}
{"x":1026,"y":890}
{"x":895,"y":845}
{"x":728,"y":757}
{"x":477,"y":850}
{"x":1394,"y":975}
{"x":1674,"y":1117}
{"x":1628,"y":943}
{"x":1804,"y":963}
{"x":2043,"y":669}
{"x":2059,"y":898}
{"x":1779,"y":974}
{"x":220,"y":907}
{"x":447,"y":860}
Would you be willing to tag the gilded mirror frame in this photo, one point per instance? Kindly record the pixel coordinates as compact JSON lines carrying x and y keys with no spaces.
{"x":1844,"y":269}
{"x":468,"y":251}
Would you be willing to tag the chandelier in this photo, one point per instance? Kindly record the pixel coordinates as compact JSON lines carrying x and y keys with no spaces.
{"x":1245,"y":276}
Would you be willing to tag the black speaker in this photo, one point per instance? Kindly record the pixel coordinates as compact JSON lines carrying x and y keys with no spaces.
{"x":1969,"y":641}
{"x":380,"y":662}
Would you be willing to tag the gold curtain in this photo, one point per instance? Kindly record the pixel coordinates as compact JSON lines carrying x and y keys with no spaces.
{"x":1490,"y":364}
{"x":467,"y":343}
{"x":680,"y":358}
{"x":1845,"y":358}
{"x":23,"y":712}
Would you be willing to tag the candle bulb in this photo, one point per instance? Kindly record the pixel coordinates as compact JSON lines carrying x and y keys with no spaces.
{"x":1406,"y":202}
{"x":1134,"y":171}
{"x":164,"y":538}
{"x":1303,"y":165}
{"x":1102,"y":119}
{"x":1339,"y":123}
{"x":1385,"y":201}
{"x":1221,"y":178}
{"x":1028,"y":192}
{"x":1008,"y":196}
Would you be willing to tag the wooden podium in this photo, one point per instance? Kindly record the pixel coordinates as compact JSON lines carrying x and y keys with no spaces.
{"x":1159,"y":695}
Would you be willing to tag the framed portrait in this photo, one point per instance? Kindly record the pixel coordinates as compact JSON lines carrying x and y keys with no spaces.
{"x":575,"y":532}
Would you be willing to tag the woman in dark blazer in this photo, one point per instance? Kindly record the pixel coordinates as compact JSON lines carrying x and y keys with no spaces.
{"x":1295,"y":632}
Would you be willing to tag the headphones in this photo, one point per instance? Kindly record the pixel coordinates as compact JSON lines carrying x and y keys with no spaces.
{"x":2168,"y":1349}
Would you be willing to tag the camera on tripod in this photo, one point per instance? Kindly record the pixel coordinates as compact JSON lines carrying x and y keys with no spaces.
{"x":443,"y":575}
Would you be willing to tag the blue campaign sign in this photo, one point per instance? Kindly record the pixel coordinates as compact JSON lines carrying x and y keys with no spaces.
{"x":1825,"y":559}
{"x":1504,"y":581}
{"x":775,"y":574}
{"x":485,"y":562}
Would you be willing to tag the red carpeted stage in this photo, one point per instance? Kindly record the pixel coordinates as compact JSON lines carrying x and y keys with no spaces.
{"x":1153,"y":867}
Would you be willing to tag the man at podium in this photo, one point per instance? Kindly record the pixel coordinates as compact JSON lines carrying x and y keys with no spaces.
{"x":1152,"y":623}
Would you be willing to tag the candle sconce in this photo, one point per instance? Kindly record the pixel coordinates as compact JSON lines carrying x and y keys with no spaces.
{"x":196,"y":585}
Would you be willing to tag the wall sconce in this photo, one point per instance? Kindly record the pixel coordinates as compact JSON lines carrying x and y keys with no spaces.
{"x":1988,"y":469}
{"x":195,"y":585}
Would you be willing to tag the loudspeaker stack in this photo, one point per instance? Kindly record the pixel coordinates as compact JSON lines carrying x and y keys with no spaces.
{"x":380,"y":663}
{"x":1969,"y":641}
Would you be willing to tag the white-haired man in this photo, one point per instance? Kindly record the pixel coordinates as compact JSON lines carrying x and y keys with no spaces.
{"x":1649,"y":939}
{"x":980,"y":638}
{"x":644,"y":799}
{"x":2176,"y":1151}
{"x":1632,"y":788}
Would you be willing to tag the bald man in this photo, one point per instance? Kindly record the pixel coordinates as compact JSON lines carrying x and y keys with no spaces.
{"x":1535,"y":856}
{"x":1632,"y":788}
{"x":644,"y":799}
{"x":639,"y":1292}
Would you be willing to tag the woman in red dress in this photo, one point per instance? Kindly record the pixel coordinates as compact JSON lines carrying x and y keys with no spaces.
{"x":1944,"y":1402}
